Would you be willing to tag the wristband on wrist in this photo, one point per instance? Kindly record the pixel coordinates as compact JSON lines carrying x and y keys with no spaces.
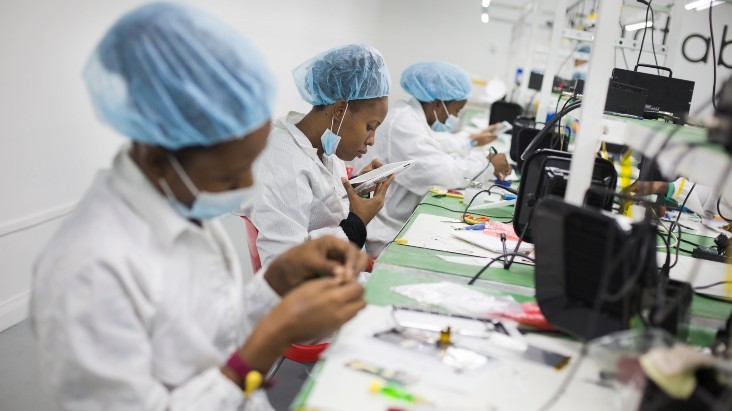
{"x":239,"y":366}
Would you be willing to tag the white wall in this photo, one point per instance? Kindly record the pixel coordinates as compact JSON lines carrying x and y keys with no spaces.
{"x":693,"y":22}
{"x":701,"y":72}
{"x":51,"y":145}
{"x":450,"y":30}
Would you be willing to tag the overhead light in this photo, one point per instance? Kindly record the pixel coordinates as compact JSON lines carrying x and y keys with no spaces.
{"x":484,"y":17}
{"x":702,"y":4}
{"x":638,"y":26}
{"x":708,"y":5}
{"x":486,"y":3}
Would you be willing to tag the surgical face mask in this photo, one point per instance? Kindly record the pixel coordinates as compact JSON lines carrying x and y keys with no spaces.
{"x":329,"y":139}
{"x":448,"y":125}
{"x":205,"y":205}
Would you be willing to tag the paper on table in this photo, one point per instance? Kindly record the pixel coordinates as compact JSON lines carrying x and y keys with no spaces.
{"x":478,"y":261}
{"x":438,"y":233}
{"x":490,"y":242}
{"x":503,"y":386}
{"x":704,"y":272}
{"x":341,"y":388}
{"x":707,"y":227}
{"x":435,"y":232}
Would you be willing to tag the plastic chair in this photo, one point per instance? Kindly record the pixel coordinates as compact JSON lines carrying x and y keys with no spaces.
{"x":302,"y":353}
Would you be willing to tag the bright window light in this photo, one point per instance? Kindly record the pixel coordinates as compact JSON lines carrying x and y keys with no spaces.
{"x":484,"y":17}
{"x":702,"y":4}
{"x":708,"y":5}
{"x":486,"y":3}
{"x":638,"y":26}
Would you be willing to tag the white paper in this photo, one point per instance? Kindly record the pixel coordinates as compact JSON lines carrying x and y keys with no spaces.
{"x":503,"y":386}
{"x":438,"y":233}
{"x":479,"y":261}
{"x":702,"y":273}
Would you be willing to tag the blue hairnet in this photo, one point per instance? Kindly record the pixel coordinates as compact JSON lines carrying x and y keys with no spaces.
{"x":172,"y":76}
{"x":436,"y":80}
{"x":352,"y":72}
{"x":585,"y":48}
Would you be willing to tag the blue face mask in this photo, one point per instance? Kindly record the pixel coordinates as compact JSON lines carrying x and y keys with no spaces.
{"x":205,"y":205}
{"x":448,"y":125}
{"x":329,"y":139}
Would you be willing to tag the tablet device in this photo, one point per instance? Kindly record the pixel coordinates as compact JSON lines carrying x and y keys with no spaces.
{"x":506,"y":127}
{"x":368,"y":180}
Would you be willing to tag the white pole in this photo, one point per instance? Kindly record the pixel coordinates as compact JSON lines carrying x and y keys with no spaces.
{"x":552,"y":61}
{"x":593,"y":103}
{"x":530,"y":48}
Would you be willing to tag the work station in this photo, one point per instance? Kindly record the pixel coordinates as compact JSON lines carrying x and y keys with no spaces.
{"x":367,"y":205}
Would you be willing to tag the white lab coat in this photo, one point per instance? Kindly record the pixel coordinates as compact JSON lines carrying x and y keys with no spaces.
{"x":136,"y":308}
{"x":702,"y":200}
{"x":298,"y":195}
{"x":405,"y":135}
{"x":456,"y":144}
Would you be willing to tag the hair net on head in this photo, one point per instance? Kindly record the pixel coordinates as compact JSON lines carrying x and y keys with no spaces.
{"x":352,"y":72}
{"x":436,"y":80}
{"x":173,"y":76}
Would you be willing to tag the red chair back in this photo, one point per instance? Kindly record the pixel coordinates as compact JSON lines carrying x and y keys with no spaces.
{"x":297,"y":352}
{"x":252,"y":234}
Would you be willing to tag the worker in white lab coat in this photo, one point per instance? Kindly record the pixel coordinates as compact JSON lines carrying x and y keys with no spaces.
{"x":699,"y":198}
{"x":440,"y":90}
{"x":303,"y":192}
{"x":138,"y":300}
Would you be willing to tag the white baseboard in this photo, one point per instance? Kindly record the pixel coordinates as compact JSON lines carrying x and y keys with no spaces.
{"x":14,"y":310}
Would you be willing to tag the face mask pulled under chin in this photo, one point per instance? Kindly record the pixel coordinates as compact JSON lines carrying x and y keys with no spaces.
{"x":449,"y":124}
{"x":206,"y":205}
{"x":329,"y":139}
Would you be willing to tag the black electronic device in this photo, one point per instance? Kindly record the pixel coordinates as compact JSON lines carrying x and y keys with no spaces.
{"x":593,"y":270}
{"x":544,"y":173}
{"x":665,"y":94}
{"x":626,"y":100}
{"x":535,"y":80}
{"x":576,"y":86}
{"x":504,"y":111}
{"x":521,"y":138}
{"x":519,"y":124}
{"x":718,"y":253}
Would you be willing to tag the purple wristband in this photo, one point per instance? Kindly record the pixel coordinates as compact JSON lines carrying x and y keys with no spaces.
{"x":239,"y":366}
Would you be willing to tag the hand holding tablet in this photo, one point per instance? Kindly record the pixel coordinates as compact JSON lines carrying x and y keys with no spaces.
{"x":367,"y":181}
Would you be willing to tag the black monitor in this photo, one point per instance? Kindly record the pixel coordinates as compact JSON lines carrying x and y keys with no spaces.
{"x":504,"y":111}
{"x":665,"y":94}
{"x":535,"y":80}
{"x":544,"y":173}
{"x":626,"y":100}
{"x":583,"y":254}
{"x":522,"y":136}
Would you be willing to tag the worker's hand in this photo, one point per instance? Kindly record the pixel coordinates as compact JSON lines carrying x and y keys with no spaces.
{"x":318,"y":307}
{"x":501,"y":168}
{"x":313,"y":310}
{"x":644,"y":188}
{"x":372,"y":166}
{"x":367,"y":208}
{"x":486,"y":136}
{"x":325,"y":256}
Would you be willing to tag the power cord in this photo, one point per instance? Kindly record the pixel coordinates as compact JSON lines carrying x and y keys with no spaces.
{"x":714,"y":59}
{"x":653,"y":41}
{"x":719,"y":210}
{"x":493,"y":260}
